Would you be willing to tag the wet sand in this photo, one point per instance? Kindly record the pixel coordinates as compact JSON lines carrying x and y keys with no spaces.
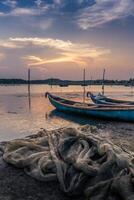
{"x":16,"y":185}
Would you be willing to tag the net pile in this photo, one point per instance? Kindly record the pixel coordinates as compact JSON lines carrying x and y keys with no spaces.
{"x":79,"y":159}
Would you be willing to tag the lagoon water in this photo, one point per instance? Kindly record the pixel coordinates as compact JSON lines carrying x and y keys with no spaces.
{"x":19,"y":119}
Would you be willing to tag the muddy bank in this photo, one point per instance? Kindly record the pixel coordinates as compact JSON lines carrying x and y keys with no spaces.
{"x":67,"y":162}
{"x":16,"y":185}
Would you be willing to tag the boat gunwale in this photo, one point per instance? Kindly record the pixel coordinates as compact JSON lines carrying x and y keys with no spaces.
{"x":93,"y":107}
{"x":111,"y":101}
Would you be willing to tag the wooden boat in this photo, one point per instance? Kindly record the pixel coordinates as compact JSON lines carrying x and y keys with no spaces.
{"x":101,"y":99}
{"x":120,"y":113}
{"x":63,"y":85}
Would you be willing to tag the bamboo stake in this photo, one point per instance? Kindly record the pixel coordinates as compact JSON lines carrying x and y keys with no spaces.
{"x":84,"y":84}
{"x":103,"y":85}
{"x":29,"y":89}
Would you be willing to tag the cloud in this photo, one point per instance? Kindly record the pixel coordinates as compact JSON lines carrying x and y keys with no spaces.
{"x":85,"y":14}
{"x":57,"y":1}
{"x":55,"y":43}
{"x":7,"y":44}
{"x":65,"y":51}
{"x":33,"y":58}
{"x":38,"y":3}
{"x":66,"y":57}
{"x":36,"y":52}
{"x":80,"y":1}
{"x":2,"y":14}
{"x":37,"y":61}
{"x":2,"y":56}
{"x":10,"y":3}
{"x":23,"y":11}
{"x":104,"y":11}
{"x":45,"y":24}
{"x":64,"y":46}
{"x":18,"y":11}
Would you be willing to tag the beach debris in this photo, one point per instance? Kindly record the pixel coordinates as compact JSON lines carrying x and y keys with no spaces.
{"x":80,"y":159}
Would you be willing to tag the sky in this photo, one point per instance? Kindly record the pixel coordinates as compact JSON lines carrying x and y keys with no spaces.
{"x":59,"y":38}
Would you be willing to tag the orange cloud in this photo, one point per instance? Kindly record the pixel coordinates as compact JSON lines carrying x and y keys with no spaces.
{"x":68,"y":52}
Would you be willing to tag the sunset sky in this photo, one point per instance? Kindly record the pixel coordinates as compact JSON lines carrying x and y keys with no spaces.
{"x":58,"y":38}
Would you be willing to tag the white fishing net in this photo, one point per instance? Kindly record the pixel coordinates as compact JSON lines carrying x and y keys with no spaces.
{"x":79,"y":158}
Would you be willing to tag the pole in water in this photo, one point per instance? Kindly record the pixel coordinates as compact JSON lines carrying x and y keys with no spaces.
{"x":90,"y":81}
{"x":103,"y":82}
{"x":84,"y":84}
{"x":132,"y":84}
{"x":51,"y":83}
{"x":29,"y":89}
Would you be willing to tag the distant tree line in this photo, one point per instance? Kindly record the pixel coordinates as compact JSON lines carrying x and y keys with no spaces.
{"x":60,"y":82}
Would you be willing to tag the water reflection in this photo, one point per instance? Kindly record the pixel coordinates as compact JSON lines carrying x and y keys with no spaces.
{"x":82,"y":120}
{"x":74,"y":118}
{"x":29,"y":101}
{"x":22,"y":114}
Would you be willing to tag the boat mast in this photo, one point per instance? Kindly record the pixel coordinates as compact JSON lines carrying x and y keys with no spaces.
{"x":84,"y":84}
{"x":103,"y":82}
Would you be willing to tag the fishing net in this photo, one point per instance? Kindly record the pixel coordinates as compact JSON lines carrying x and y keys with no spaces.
{"x":80,"y":159}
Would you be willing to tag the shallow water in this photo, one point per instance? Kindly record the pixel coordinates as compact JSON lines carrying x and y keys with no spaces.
{"x":18,"y":118}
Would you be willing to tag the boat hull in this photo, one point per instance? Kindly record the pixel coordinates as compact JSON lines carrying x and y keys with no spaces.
{"x":108,"y":101}
{"x":109,"y":114}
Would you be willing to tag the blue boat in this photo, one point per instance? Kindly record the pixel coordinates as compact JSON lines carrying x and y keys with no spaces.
{"x":118,"y":113}
{"x":101,"y":99}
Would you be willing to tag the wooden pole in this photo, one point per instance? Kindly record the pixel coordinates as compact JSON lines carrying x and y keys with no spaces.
{"x":103,"y":85}
{"x":28,"y":80}
{"x":29,"y":88}
{"x":132,"y":85}
{"x":91,"y":81}
{"x":51,"y":83}
{"x":84,"y":84}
